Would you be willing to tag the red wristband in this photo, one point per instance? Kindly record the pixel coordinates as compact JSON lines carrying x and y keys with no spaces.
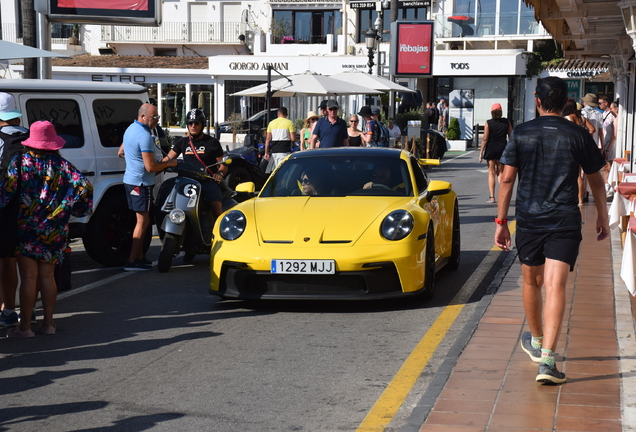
{"x":501,"y":221}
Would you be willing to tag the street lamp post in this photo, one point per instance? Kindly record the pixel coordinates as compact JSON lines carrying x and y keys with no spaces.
{"x":370,"y":37}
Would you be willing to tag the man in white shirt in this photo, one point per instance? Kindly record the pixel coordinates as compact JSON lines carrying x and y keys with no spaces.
{"x":591,"y":112}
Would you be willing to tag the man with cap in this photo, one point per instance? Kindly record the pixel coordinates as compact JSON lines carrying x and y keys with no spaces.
{"x":323,"y":108}
{"x":368,"y":125}
{"x":331,"y":131}
{"x":10,"y":129}
{"x":545,"y":154}
{"x":591,"y":112}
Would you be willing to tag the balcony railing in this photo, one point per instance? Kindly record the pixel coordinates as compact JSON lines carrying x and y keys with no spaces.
{"x":227,"y":32}
{"x":484,"y":25}
{"x":60,"y":33}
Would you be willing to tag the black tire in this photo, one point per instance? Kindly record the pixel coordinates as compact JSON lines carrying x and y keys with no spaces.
{"x":108,"y":237}
{"x":166,"y":255}
{"x":237,"y":176}
{"x":429,"y":272}
{"x":453,"y":260}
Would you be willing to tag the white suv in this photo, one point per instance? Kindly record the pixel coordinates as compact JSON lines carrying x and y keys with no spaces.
{"x":91,"y":117}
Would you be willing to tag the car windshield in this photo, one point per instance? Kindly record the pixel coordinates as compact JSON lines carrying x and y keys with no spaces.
{"x":340,"y":176}
{"x":257,"y":115}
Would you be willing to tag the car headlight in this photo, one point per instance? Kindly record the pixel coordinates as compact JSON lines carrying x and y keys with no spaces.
{"x":397,"y":225}
{"x":232,"y":225}
{"x":177,"y":216}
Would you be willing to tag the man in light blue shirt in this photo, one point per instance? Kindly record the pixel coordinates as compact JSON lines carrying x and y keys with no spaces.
{"x":139,"y":179}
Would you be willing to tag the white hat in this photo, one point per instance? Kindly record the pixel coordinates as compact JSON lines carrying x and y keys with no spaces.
{"x":8,"y":111}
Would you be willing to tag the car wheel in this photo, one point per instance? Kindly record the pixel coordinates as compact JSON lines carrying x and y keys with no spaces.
{"x":108,"y":237}
{"x":429,"y":271}
{"x":237,"y":176}
{"x":166,"y":255}
{"x":453,"y":261}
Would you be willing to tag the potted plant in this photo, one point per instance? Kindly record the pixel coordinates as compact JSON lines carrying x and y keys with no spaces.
{"x":453,"y":134}
{"x":236,"y":122}
{"x":74,"y":38}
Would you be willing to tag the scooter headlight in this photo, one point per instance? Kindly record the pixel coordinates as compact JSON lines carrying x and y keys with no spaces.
{"x":397,"y":225}
{"x":232,"y":225}
{"x":177,"y":216}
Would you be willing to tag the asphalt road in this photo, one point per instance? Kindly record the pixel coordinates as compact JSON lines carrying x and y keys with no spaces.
{"x":151,"y":351}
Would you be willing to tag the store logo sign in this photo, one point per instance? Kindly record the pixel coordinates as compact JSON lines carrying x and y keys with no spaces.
{"x":255,"y":66}
{"x":460,"y":66}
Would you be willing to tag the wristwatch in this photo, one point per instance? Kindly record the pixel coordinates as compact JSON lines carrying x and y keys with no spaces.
{"x":501,"y":221}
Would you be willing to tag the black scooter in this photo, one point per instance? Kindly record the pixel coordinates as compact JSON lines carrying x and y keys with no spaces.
{"x":184,"y":224}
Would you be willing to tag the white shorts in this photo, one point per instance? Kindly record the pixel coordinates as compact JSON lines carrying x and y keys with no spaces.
{"x":274,"y":160}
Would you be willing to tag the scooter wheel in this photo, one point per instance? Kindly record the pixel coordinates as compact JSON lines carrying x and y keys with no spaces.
{"x":166,"y":254}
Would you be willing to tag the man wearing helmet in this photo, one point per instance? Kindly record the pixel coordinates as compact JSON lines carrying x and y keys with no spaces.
{"x":200,"y":150}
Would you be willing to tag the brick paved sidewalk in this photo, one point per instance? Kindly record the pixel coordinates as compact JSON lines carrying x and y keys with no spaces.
{"x":492,"y":387}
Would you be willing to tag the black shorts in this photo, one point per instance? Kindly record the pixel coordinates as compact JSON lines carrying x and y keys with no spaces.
{"x":139,"y":197}
{"x":211,"y":191}
{"x":534,"y":248}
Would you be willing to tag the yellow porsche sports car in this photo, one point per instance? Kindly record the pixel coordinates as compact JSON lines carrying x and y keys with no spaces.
{"x":343,"y":223}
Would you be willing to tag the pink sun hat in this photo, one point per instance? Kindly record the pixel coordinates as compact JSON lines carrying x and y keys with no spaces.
{"x":42,"y":136}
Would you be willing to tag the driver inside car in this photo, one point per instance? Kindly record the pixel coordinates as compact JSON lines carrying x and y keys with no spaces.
{"x":199,"y":151}
{"x":382,"y":178}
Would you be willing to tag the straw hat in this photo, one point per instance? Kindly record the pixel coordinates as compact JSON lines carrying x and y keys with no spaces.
{"x":43,"y":137}
{"x":591,"y":99}
{"x":312,"y":114}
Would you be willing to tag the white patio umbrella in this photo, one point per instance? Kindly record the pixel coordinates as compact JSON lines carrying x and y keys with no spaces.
{"x":371,"y":81}
{"x":11,"y":51}
{"x":307,"y":84}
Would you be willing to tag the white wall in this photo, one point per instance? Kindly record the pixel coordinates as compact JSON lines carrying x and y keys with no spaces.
{"x":488,"y":90}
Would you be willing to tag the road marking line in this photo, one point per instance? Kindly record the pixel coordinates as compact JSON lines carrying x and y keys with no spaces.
{"x":392,"y":398}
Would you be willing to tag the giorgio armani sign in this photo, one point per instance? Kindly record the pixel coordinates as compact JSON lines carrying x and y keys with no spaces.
{"x":254,"y":66}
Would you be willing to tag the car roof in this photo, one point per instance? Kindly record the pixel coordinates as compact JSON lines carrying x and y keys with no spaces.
{"x":354,"y":151}
{"x":67,"y":86}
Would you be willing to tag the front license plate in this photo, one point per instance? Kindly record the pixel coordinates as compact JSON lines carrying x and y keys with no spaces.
{"x":304,"y":266}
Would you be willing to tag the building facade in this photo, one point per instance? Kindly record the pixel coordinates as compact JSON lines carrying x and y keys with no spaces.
{"x":479,"y":46}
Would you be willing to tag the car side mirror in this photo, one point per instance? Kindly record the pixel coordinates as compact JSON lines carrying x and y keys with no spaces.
{"x":437,"y":187}
{"x":248,"y":187}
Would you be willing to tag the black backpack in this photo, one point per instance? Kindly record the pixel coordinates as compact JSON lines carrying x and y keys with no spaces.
{"x":380,"y":135}
{"x":12,"y":144}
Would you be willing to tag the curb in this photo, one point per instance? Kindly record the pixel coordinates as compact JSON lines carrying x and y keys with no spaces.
{"x":427,"y":401}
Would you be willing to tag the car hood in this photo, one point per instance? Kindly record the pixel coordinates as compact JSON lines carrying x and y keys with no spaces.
{"x":315,"y":220}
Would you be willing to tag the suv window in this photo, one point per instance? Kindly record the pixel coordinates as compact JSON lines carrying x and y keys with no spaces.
{"x":113,"y":116}
{"x":65,"y":116}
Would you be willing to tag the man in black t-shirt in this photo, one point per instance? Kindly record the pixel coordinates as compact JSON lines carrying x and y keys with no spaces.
{"x":546,"y":154}
{"x":200,"y":150}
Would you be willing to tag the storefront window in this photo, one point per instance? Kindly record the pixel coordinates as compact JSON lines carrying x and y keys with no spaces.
{"x":244,"y":105}
{"x":202,"y":97}
{"x":490,"y":17}
{"x":174,"y":109}
{"x":367,"y":19}
{"x":306,"y":26}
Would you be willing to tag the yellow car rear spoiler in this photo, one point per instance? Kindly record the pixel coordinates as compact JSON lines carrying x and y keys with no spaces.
{"x":429,"y":161}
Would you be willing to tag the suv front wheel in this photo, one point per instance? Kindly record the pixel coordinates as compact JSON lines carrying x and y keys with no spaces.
{"x":108,"y":238}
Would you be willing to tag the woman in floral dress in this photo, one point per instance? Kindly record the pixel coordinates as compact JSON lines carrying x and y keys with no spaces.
{"x":51,"y":189}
